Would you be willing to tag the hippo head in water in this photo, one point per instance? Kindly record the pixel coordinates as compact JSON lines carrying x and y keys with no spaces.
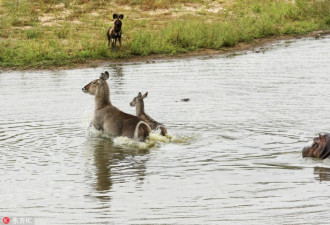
{"x":320,"y":147}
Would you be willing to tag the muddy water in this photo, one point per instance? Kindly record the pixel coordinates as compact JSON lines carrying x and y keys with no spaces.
{"x":238,"y":158}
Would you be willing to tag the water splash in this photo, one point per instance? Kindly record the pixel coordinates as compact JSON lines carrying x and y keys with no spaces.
{"x":170,"y":138}
{"x":129,"y":142}
{"x":154,"y":136}
{"x":155,"y":139}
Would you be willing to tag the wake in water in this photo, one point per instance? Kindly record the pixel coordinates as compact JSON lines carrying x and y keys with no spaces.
{"x":155,"y":139}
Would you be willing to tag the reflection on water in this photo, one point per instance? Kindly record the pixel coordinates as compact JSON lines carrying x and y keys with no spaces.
{"x":103,"y":152}
{"x":110,"y":161}
{"x":322,"y":173}
{"x":116,"y":70}
{"x":117,"y":74}
{"x":234,"y":156}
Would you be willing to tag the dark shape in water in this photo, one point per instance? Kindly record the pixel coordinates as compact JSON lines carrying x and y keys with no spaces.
{"x":185,"y":100}
{"x":320,"y":147}
{"x":322,"y":173}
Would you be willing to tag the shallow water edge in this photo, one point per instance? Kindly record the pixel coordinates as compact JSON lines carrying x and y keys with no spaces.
{"x":240,"y":47}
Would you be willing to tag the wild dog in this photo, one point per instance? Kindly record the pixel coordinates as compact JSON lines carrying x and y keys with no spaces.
{"x":109,"y":118}
{"x":114,"y":32}
{"x":139,"y":108}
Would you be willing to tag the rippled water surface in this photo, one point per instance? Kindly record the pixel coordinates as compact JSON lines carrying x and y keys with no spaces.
{"x":239,"y":161}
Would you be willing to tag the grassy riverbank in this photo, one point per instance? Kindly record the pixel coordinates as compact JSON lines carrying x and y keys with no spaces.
{"x":48,"y":33}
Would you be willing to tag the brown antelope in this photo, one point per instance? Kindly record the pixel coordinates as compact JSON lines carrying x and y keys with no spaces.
{"x":110,"y":119}
{"x":139,"y":108}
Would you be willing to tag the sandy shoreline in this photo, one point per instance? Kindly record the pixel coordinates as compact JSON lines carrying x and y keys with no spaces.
{"x":152,"y":58}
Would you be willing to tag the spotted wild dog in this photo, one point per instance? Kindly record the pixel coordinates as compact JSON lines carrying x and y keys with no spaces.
{"x":114,"y":32}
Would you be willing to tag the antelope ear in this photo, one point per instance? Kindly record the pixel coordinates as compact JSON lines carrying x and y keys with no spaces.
{"x":320,"y":136}
{"x":105,"y":75}
{"x":139,"y":95}
{"x":145,"y":95}
{"x":121,"y":16}
{"x":115,"y":16}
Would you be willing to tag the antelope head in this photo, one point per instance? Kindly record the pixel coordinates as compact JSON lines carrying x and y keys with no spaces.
{"x":138,"y":99}
{"x":138,"y":102}
{"x":94,"y":86}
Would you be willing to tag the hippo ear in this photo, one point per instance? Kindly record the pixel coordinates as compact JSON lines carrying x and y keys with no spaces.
{"x":115,"y":16}
{"x":145,"y":95}
{"x":121,"y":16}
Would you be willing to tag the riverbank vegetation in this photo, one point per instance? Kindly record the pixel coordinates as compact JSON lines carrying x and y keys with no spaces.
{"x":48,"y":33}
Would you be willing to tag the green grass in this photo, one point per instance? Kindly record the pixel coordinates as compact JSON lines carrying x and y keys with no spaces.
{"x":40,"y":34}
{"x":251,"y":20}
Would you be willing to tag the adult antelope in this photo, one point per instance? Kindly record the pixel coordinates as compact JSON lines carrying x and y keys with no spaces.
{"x":109,"y":118}
{"x":139,"y":108}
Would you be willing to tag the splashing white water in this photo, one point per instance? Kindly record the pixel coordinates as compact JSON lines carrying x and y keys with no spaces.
{"x":155,"y":139}
{"x":129,"y":142}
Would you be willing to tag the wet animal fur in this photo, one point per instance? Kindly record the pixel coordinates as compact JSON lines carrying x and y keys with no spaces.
{"x":140,"y":113}
{"x":320,"y":147}
{"x":109,"y":118}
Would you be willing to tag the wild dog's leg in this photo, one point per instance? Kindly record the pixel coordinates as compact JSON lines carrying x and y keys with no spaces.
{"x":115,"y":42}
{"x":119,"y":39}
{"x":108,"y":35}
{"x":112,"y":43}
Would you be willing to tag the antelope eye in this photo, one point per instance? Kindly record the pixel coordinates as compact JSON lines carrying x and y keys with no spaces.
{"x":94,"y":82}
